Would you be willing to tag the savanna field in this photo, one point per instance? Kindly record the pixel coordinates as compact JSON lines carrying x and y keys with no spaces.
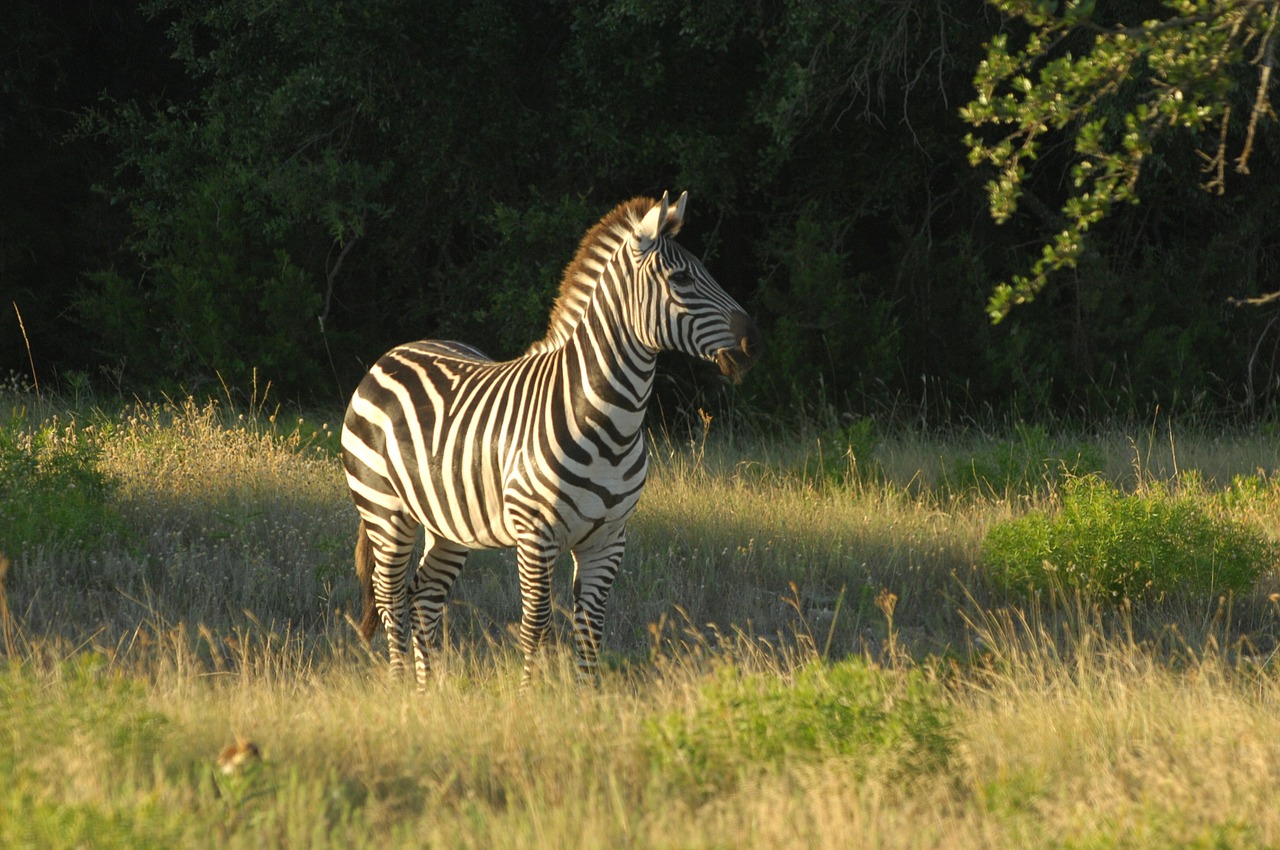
{"x":1010,"y":636}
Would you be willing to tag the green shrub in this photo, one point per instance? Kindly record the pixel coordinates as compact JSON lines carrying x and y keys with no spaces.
{"x":51,"y":489}
{"x":828,"y":337}
{"x":1029,"y":462}
{"x":1110,"y":545}
{"x":844,"y":457}
{"x":739,"y":721}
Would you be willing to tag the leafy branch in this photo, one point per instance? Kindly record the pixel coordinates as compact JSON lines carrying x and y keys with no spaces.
{"x":1114,"y":98}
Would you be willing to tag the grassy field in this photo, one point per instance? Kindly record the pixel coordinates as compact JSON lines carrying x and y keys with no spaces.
{"x":803,"y":650}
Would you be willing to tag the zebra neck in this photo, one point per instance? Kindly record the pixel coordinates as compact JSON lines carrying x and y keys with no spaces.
{"x":610,"y":369}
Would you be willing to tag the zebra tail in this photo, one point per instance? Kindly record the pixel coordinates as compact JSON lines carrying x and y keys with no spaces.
{"x":364,"y":571}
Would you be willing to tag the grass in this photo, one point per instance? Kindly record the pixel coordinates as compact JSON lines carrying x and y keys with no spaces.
{"x":800,"y":652}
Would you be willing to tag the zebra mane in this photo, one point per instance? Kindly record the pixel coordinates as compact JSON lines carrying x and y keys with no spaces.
{"x":578,"y":284}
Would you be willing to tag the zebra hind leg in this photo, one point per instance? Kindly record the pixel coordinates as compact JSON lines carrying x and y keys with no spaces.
{"x":428,"y":591}
{"x":390,"y":590}
{"x":391,"y":596}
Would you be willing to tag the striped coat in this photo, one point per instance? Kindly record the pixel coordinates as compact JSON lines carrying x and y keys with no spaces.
{"x":545,"y":452}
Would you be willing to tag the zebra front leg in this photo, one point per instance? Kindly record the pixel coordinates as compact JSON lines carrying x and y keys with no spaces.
{"x":594,"y":569}
{"x":535,"y":559}
{"x":441,"y":563}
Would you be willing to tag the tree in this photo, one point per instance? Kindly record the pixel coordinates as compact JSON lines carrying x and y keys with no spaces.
{"x":311,"y":194}
{"x":1114,"y":89}
{"x":309,"y":183}
{"x":56,"y":57}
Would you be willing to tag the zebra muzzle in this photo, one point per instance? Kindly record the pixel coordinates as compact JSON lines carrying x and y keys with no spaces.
{"x":734,"y":362}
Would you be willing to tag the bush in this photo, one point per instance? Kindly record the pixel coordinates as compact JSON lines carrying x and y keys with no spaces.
{"x":51,"y":489}
{"x":844,"y":457}
{"x":1030,"y":462}
{"x":896,"y":721}
{"x":1143,"y":546}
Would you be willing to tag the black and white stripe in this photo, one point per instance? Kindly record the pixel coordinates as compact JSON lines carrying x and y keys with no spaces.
{"x":544,"y":452}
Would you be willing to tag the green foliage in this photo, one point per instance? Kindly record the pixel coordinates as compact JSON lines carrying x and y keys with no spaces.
{"x":845,"y":456}
{"x":894,"y":722}
{"x":297,"y":185}
{"x":51,"y":489}
{"x":1030,"y":462}
{"x":1112,"y":88}
{"x":309,"y":131}
{"x":522,"y":269}
{"x":826,"y":328}
{"x":226,"y":187}
{"x":222,"y":304}
{"x":1142,"y":547}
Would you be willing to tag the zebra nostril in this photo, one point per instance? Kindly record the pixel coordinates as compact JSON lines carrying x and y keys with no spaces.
{"x":744,"y":330}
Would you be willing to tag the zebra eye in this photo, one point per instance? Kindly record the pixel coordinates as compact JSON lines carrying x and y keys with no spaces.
{"x":680,"y":279}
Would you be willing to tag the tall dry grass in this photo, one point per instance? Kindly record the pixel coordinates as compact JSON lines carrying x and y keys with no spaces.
{"x":801,"y":653}
{"x":1110,"y":748}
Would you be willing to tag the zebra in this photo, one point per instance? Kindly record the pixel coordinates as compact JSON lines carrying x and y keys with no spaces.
{"x":544,"y":452}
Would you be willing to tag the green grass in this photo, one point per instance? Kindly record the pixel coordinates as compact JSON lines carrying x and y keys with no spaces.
{"x":799,"y":653}
{"x":738,"y":724}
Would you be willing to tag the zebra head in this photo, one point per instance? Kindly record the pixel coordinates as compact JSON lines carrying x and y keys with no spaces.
{"x":694,"y":315}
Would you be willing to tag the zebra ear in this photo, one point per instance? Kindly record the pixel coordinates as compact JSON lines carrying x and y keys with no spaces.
{"x":677,"y":217}
{"x":653,"y":224}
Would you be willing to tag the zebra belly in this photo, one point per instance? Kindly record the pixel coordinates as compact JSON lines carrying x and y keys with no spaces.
{"x":465,"y":512}
{"x":577,"y":503}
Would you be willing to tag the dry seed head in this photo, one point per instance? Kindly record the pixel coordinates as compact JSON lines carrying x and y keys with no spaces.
{"x":886,"y":601}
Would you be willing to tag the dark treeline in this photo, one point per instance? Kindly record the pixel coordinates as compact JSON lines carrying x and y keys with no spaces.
{"x":194,"y":190}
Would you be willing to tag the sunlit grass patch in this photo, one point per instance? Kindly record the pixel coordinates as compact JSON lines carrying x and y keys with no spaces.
{"x":203,"y":452}
{"x":79,"y":745}
{"x":1102,"y":744}
{"x":215,"y":513}
{"x":732,"y":543}
{"x":1084,"y":736}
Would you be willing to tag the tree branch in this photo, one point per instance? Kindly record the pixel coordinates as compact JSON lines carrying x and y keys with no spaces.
{"x":1176,"y":23}
{"x":1257,"y":301}
{"x":331,"y":274}
{"x":1262,"y":101}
